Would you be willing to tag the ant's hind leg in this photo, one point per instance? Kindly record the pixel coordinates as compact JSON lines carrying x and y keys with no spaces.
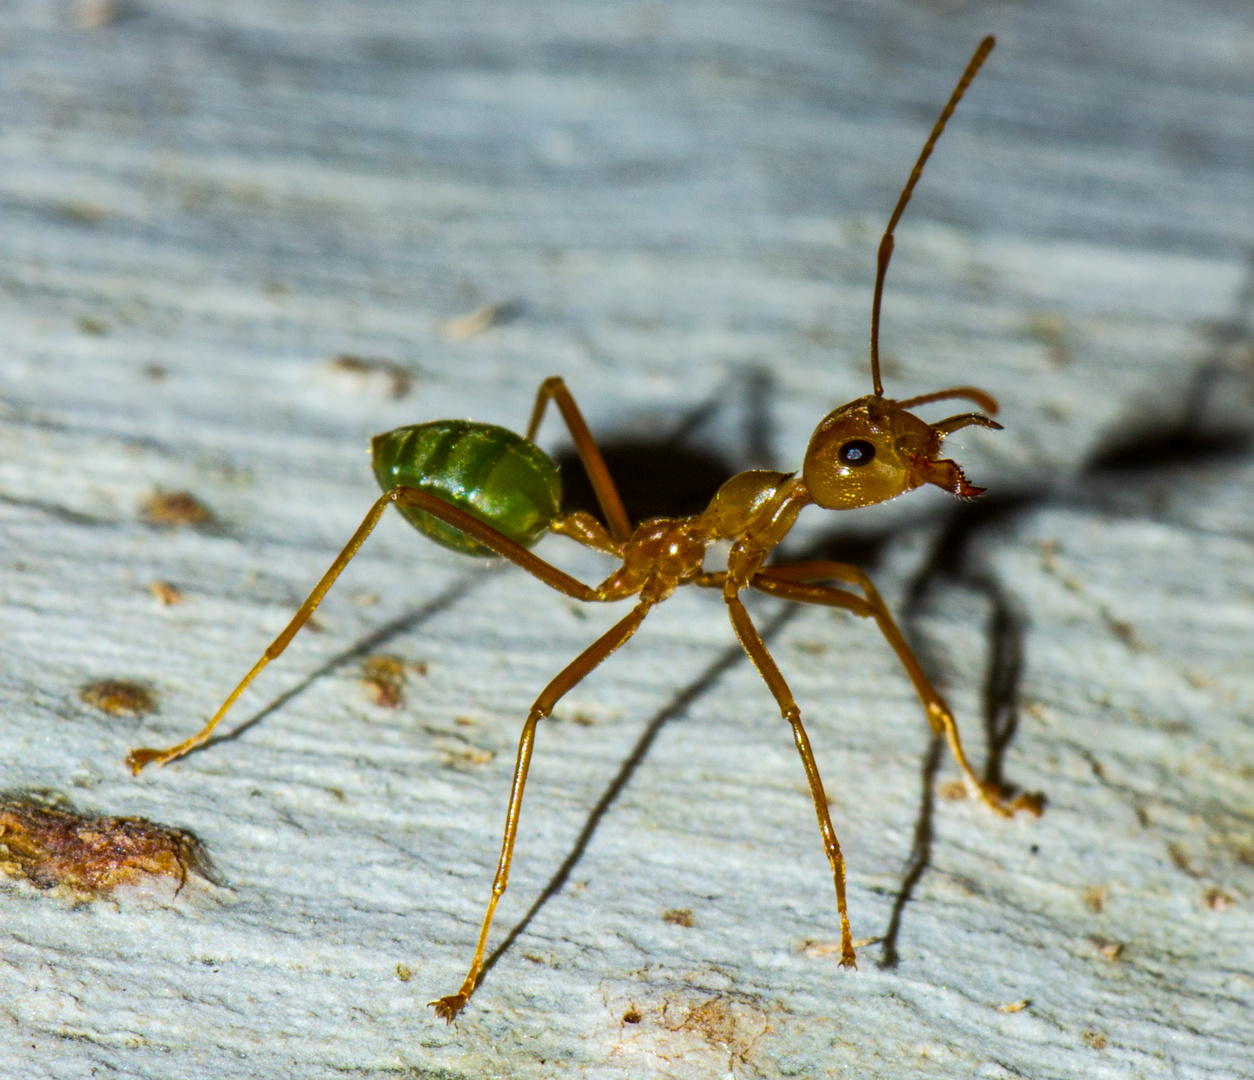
{"x":791,"y":582}
{"x":402,"y":496}
{"x":594,"y":464}
{"x":767,"y":668}
{"x":137,"y":759}
{"x":448,"y":1007}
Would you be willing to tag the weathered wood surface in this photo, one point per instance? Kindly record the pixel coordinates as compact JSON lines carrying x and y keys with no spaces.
{"x":202,"y":204}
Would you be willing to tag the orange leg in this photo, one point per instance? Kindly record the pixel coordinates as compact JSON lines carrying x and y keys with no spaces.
{"x":762,"y":660}
{"x":602,"y":482}
{"x":402,"y":496}
{"x":449,"y":1007}
{"x":791,"y":583}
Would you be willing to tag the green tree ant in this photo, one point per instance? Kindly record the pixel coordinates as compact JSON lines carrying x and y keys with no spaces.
{"x":482,"y":490}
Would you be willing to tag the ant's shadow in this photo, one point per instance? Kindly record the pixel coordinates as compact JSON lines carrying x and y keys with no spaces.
{"x":655,"y":477}
{"x":676,"y":472}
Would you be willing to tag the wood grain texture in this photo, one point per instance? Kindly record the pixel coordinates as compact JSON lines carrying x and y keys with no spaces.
{"x":676,"y":207}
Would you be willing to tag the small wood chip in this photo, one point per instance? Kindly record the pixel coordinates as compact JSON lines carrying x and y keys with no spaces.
{"x":166,"y":594}
{"x":383,"y":678}
{"x":398,"y":380}
{"x":1218,"y":900}
{"x":118,"y":697}
{"x":468,"y":326}
{"x":468,"y":756}
{"x":176,"y":509}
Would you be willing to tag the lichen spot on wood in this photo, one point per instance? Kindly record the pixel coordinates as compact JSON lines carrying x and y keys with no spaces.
{"x":87,"y":856}
{"x":118,"y":697}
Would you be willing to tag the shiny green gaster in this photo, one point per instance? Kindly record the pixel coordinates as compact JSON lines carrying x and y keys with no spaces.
{"x":497,"y":476}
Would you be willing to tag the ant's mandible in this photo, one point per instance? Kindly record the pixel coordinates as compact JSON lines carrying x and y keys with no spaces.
{"x":480,"y":489}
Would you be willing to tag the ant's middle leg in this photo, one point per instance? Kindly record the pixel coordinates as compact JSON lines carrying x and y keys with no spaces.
{"x":448,"y":1007}
{"x":753,"y":644}
{"x":792,"y":582}
{"x":402,"y":496}
{"x":602,"y":483}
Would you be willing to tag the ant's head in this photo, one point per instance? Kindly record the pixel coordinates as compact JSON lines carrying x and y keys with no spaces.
{"x":873,"y":449}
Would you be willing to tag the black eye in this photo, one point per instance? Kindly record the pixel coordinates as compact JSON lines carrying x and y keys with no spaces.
{"x":856,"y":452}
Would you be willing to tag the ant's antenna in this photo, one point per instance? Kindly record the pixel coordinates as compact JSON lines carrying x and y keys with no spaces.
{"x":886,"y":245}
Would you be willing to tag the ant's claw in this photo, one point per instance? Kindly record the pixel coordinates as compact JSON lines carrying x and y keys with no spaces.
{"x":447,"y":1008}
{"x":137,"y":759}
{"x":998,"y":798}
{"x":1031,"y":801}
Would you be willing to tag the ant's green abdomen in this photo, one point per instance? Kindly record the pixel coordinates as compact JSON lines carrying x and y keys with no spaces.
{"x":499,"y":477}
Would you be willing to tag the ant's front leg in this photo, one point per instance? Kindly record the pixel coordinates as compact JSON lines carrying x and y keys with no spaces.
{"x":753,"y":644}
{"x":792,"y":582}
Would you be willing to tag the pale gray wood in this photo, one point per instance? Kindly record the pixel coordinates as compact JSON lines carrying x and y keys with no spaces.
{"x":673,"y":195}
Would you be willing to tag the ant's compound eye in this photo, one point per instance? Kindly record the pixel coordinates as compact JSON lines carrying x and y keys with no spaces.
{"x":856,"y":452}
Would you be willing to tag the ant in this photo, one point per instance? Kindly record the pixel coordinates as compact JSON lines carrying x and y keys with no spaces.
{"x":482,"y":490}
